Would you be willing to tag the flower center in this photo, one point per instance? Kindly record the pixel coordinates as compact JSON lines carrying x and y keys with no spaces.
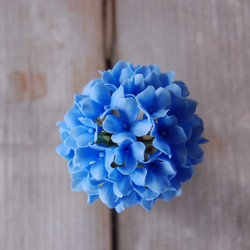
{"x":153,"y":166}
{"x":164,"y":133}
{"x":91,"y":131}
{"x":101,"y":154}
{"x":125,"y":125}
{"x":127,"y":151}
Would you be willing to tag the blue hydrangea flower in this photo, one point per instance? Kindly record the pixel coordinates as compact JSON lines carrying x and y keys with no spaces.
{"x":132,"y":137}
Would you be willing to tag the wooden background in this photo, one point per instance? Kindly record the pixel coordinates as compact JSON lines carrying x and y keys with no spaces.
{"x":50,"y":49}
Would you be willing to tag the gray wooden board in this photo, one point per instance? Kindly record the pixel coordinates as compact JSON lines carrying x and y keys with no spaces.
{"x":207,"y":43}
{"x":48,"y":51}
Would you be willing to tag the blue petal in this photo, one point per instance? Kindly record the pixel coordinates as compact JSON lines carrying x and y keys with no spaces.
{"x":147,"y":204}
{"x":89,"y":186}
{"x":174,"y":88}
{"x":87,"y":122}
{"x":179,"y":153}
{"x":106,"y":193}
{"x":139,"y":83}
{"x":70,"y":142}
{"x":167,"y":122}
{"x":159,"y":113}
{"x":162,"y":145}
{"x":77,"y":179}
{"x":183,"y":109}
{"x":188,"y":132}
{"x":185,"y":173}
{"x":116,"y":97}
{"x":202,"y":140}
{"x":139,"y":189}
{"x":155,"y":68}
{"x":116,"y":71}
{"x":128,"y":86}
{"x":92,"y":198}
{"x":157,"y":182}
{"x":70,"y":166}
{"x":79,"y":174}
{"x":112,"y":124}
{"x":77,"y":100}
{"x":64,"y":151}
{"x":168,"y":195}
{"x":188,"y":114}
{"x":175,"y":184}
{"x":176,"y":135}
{"x":120,"y":137}
{"x":110,"y":87}
{"x":114,"y":175}
{"x":163,"y":98}
{"x":137,"y":150}
{"x":85,"y":156}
{"x":197,"y":132}
{"x":130,"y":200}
{"x":109,"y":157}
{"x":166,"y":168}
{"x":167,"y":78}
{"x":62,"y":130}
{"x":125,"y":75}
{"x":123,"y":170}
{"x":153,"y":80}
{"x":197,"y":127}
{"x":150,"y":195}
{"x":130,"y":163}
{"x":113,"y":204}
{"x":87,"y":88}
{"x":119,"y":156}
{"x":84,"y":140}
{"x":140,"y":127}
{"x":62,"y":125}
{"x":124,"y":185}
{"x":76,"y":184}
{"x":107,"y":77}
{"x":128,"y":109}
{"x":91,"y":109}
{"x":119,"y":208}
{"x":143,"y":70}
{"x":139,"y":176}
{"x":98,"y":170}
{"x":79,"y":130}
{"x":170,"y":75}
{"x":71,"y":118}
{"x":100,"y":94}
{"x":147,"y":97}
{"x":184,"y":89}
{"x":116,"y":190}
{"x":194,"y":152}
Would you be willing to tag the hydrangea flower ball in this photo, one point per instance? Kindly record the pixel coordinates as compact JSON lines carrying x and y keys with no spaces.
{"x":132,"y":137}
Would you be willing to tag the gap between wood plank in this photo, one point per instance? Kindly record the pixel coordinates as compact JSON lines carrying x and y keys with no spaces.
{"x":109,"y":30}
{"x":108,"y":17}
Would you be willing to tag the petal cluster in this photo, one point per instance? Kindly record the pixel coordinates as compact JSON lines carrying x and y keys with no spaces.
{"x":132,"y":137}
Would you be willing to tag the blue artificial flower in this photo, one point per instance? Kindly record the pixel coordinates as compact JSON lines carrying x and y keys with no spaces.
{"x":154,"y":102}
{"x":132,"y":137}
{"x":127,"y":122}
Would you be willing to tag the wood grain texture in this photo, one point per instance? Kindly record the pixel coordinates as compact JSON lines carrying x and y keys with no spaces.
{"x":207,"y":43}
{"x":48,"y":51}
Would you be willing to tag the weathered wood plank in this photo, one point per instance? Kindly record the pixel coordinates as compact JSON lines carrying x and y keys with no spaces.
{"x":207,"y":43}
{"x":48,"y":51}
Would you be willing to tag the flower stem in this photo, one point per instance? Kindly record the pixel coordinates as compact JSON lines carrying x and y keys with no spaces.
{"x":104,"y":138}
{"x":99,"y":122}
